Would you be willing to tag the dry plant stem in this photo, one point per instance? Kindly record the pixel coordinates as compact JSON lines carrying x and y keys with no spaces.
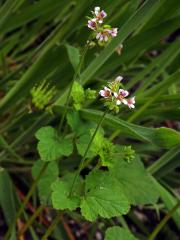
{"x":31,"y":220}
{"x":76,"y":74}
{"x":81,"y":165}
{"x":164,"y":221}
{"x":28,"y":196}
{"x":52,"y":226}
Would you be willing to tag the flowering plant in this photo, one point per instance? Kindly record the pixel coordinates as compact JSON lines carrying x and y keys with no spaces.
{"x":87,"y":160}
{"x":103,"y":33}
{"x":113,"y":95}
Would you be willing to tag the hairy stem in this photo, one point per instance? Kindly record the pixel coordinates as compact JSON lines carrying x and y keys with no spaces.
{"x":81,"y":165}
{"x":76,"y":74}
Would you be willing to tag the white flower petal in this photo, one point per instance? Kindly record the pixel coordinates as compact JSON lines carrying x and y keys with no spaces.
{"x":105,"y":38}
{"x":98,"y":35}
{"x":107,"y":89}
{"x":119,"y":78}
{"x":124,"y":101}
{"x":101,"y":38}
{"x":123,"y":92}
{"x":96,"y":9}
{"x":133,"y":100}
{"x":118,"y":102}
{"x":102,"y":93}
{"x":126,"y":93}
{"x":115,"y":94}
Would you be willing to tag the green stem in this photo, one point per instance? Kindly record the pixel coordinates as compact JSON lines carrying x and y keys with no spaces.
{"x":163,"y":222}
{"x":52,"y":226}
{"x":31,"y":220}
{"x":81,"y":165}
{"x":31,"y":191}
{"x":76,"y":74}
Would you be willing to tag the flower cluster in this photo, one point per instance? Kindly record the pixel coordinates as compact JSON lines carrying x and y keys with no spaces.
{"x":114,"y":96}
{"x":103,"y":33}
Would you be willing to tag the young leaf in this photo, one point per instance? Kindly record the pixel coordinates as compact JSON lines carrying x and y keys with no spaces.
{"x":61,"y":189}
{"x":50,"y":175}
{"x":100,"y":146}
{"x":103,"y":197}
{"x":74,"y":56}
{"x":134,"y":181}
{"x":118,"y":233}
{"x":51,"y":146}
{"x":78,"y":95}
{"x":77,"y":125}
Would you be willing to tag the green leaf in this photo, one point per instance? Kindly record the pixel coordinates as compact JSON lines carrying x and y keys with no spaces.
{"x":157,"y":167}
{"x":134,"y":181}
{"x":44,"y":185}
{"x":78,"y":126}
{"x":119,"y":233}
{"x":61,"y":189}
{"x":74,"y":56}
{"x":100,"y":146}
{"x":51,"y":146}
{"x":103,"y":197}
{"x":166,"y":137}
{"x":78,"y":95}
{"x":162,"y":137}
{"x":82,"y":143}
{"x":7,"y":199}
{"x":169,"y":201}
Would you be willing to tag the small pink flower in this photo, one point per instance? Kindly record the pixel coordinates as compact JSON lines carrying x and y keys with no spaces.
{"x":131,"y":102}
{"x":92,"y":24}
{"x":123,"y":92}
{"x":105,"y":93}
{"x":114,"y":32}
{"x":103,"y":35}
{"x":99,"y":15}
{"x":120,"y":96}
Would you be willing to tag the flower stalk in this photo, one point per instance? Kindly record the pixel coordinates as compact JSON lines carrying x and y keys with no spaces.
{"x":76,"y":74}
{"x":81,"y":165}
